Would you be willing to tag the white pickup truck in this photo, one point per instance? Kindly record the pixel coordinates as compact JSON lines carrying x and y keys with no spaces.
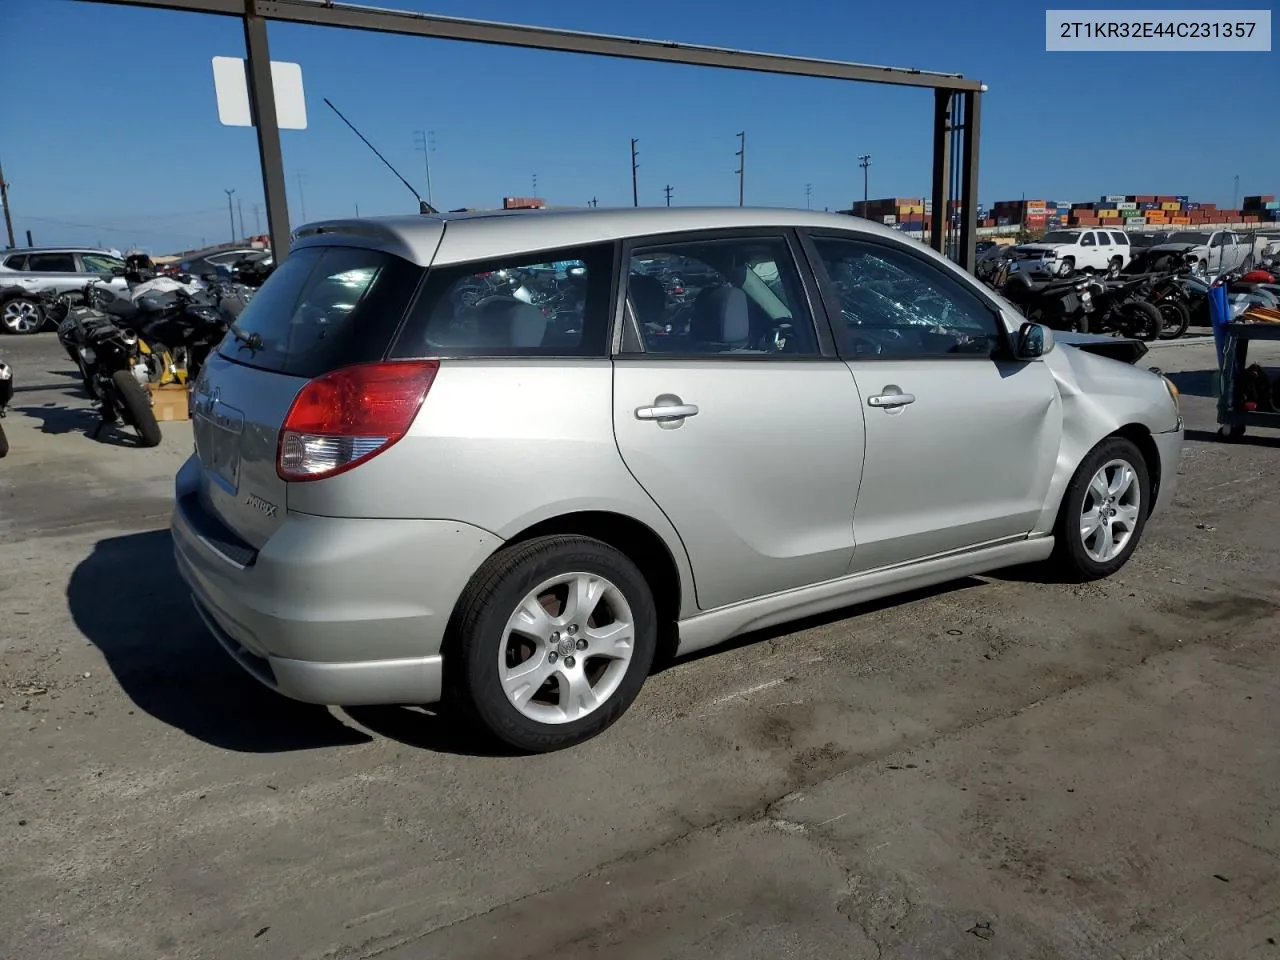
{"x":1061,"y":253}
{"x":1210,"y":252}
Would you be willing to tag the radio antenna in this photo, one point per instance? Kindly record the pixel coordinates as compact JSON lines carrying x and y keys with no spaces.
{"x":423,"y":206}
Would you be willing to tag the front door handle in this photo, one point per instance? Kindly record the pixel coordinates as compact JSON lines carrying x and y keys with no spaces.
{"x":668,"y":410}
{"x":890,"y":400}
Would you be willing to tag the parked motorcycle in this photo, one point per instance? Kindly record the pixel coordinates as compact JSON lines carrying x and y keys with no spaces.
{"x":6,"y":396}
{"x":1085,"y":304}
{"x":115,"y":363}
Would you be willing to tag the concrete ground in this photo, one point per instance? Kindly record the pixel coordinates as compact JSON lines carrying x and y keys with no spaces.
{"x":997,"y":769}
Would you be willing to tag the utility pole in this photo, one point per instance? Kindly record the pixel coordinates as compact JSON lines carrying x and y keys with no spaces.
{"x":357,"y":211}
{"x":302,"y":197}
{"x":257,"y":220}
{"x":742,"y":166}
{"x":864,"y":162}
{"x":808,"y":196}
{"x":593,"y":202}
{"x":8,"y":218}
{"x":535,"y":184}
{"x":240,"y":213}
{"x":425,"y":140}
{"x":635,"y":184}
{"x":1235,"y":196}
{"x":667,"y":190}
{"x":231,"y":214}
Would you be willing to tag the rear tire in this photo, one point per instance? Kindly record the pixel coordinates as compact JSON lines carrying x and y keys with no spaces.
{"x":1114,"y":267}
{"x":137,"y":407}
{"x":1103,"y":512}
{"x":553,"y":640}
{"x":1141,"y":320}
{"x":4,"y":443}
{"x":1175,"y":319}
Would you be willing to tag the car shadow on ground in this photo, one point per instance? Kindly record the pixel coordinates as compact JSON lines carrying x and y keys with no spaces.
{"x":55,"y":418}
{"x":1249,"y":439}
{"x":127,"y":599}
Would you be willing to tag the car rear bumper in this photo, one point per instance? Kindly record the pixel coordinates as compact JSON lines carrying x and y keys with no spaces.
{"x":1169,"y":446}
{"x":331,"y":610}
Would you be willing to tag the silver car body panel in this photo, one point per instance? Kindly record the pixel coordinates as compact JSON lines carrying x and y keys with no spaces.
{"x":727,"y":477}
{"x":786,"y":494}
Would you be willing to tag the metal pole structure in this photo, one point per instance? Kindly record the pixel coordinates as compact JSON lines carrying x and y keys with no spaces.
{"x":808,"y":196}
{"x":240,"y":214}
{"x":30,"y":242}
{"x":941,"y":163}
{"x":262,"y":104}
{"x":257,"y":220}
{"x":231,"y":214}
{"x":969,"y":180}
{"x":635,"y":184}
{"x":667,"y":191}
{"x":8,"y":218}
{"x":742,"y":166}
{"x":864,"y":162}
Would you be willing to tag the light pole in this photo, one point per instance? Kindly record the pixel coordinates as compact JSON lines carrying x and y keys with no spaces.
{"x":231,"y":214}
{"x":865,"y":164}
{"x":425,"y":140}
{"x":742,"y":166}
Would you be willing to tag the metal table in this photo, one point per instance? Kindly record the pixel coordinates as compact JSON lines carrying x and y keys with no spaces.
{"x":1235,"y":351}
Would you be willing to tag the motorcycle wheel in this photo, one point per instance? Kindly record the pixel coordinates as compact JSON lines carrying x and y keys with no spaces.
{"x":136,"y":404}
{"x":4,"y":442}
{"x":1140,"y":320}
{"x":1176,"y":318}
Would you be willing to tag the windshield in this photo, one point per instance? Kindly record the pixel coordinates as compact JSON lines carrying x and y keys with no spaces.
{"x":1200,"y":238}
{"x":1061,"y":236}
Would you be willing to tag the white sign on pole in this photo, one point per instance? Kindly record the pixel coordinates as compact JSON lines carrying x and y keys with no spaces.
{"x":231,"y":83}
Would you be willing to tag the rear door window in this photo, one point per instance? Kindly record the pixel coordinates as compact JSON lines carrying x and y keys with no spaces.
{"x":51,"y":263}
{"x":550,"y":304}
{"x":323,"y":308}
{"x":1120,"y":239}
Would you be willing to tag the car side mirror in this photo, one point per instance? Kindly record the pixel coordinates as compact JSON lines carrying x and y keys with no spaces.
{"x":1034,"y":340}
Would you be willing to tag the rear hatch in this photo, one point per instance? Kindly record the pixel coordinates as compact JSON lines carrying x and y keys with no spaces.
{"x":324,"y":307}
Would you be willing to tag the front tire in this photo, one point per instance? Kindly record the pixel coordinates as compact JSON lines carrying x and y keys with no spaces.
{"x":137,"y":407}
{"x":1114,"y":267}
{"x":554,"y":639}
{"x":1103,"y":512}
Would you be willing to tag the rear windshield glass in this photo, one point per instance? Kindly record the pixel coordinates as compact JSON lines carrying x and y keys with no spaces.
{"x":323,"y":308}
{"x":553,"y":303}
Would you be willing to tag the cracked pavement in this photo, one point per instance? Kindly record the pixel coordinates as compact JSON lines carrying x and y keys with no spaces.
{"x":998,"y":768}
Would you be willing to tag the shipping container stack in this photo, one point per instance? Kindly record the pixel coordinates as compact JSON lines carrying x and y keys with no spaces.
{"x":1261,"y":209}
{"x":906,"y":213}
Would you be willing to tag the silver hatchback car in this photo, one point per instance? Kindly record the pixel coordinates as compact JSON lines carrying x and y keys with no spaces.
{"x":495,"y":459}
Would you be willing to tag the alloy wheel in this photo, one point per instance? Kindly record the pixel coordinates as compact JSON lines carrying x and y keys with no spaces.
{"x":567,"y":647}
{"x":21,"y":316}
{"x":1111,"y":509}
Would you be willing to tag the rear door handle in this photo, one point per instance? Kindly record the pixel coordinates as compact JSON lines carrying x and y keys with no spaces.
{"x":671,"y":411}
{"x":888,"y":400}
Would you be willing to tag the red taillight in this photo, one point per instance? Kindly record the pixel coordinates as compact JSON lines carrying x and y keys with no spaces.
{"x":345,"y":417}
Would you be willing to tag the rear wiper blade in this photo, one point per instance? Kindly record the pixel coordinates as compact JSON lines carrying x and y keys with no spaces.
{"x":252,"y":341}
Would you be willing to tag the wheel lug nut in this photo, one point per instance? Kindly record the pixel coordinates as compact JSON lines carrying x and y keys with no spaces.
{"x":568,"y":661}
{"x":573,"y":628}
{"x":555,"y":636}
{"x":552,"y":657}
{"x":582,"y":644}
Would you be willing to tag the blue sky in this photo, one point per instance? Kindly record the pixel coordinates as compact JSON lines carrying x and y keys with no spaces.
{"x":115,"y":138}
